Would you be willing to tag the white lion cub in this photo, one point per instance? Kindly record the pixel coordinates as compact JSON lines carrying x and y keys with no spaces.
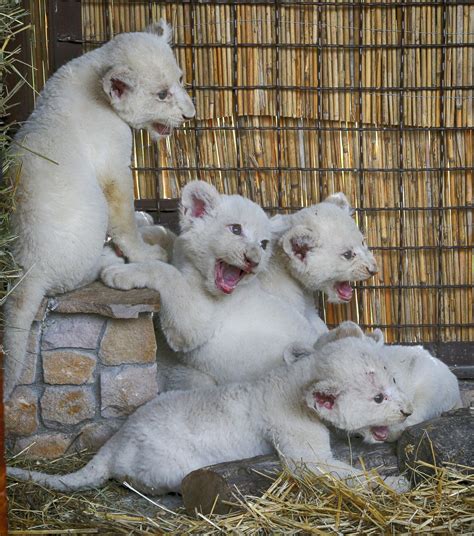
{"x":427,"y":382}
{"x":321,"y":249}
{"x":75,"y":183}
{"x":285,"y":411}
{"x":221,"y":324}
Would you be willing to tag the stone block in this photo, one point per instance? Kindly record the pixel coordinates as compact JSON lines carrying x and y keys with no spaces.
{"x":96,"y":298}
{"x":72,"y":331}
{"x":128,"y":341}
{"x":43,"y":446}
{"x":21,"y":412}
{"x":95,"y":434}
{"x":126,"y":388}
{"x":28,"y":375}
{"x":67,"y":405}
{"x":68,"y":367}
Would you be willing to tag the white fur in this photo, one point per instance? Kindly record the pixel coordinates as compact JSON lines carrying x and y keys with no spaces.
{"x":309,"y":254}
{"x":75,"y":183}
{"x":285,"y":411}
{"x":426,"y":381}
{"x":216,"y":338}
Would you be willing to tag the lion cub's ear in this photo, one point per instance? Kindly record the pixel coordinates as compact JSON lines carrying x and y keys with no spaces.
{"x":298,"y":241}
{"x":344,"y":330}
{"x":340,"y":200}
{"x":377,"y":336}
{"x":117,"y":83}
{"x":199,"y":199}
{"x":322,"y":397}
{"x":161,"y":29}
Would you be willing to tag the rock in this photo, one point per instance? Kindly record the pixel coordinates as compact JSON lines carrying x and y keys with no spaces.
{"x":43,"y":446}
{"x":126,"y":388}
{"x":445,"y":439}
{"x":21,"y":412}
{"x":467,"y":392}
{"x":128,"y":341}
{"x":72,"y":331}
{"x":67,"y":405}
{"x":95,"y":434}
{"x":98,"y":299}
{"x":68,"y":367}
{"x":28,"y":375}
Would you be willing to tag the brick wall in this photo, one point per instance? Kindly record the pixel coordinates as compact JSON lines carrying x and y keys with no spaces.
{"x":90,"y":363}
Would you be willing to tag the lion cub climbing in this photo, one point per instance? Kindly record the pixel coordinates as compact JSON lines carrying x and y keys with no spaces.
{"x":342,"y":383}
{"x":73,"y":164}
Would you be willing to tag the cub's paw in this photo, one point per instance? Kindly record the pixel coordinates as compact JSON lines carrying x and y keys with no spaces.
{"x":124,"y":276}
{"x":145,"y":252}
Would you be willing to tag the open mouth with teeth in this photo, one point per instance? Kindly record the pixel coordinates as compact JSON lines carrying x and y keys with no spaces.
{"x":227,"y":277}
{"x":379,"y":433}
{"x":344,"y":290}
{"x":161,"y":129}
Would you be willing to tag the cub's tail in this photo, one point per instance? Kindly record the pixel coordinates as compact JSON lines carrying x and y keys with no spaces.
{"x":20,"y":310}
{"x":92,"y":475}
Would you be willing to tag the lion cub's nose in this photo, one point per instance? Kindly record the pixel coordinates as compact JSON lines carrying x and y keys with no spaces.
{"x":373,"y":269}
{"x":251,"y":263}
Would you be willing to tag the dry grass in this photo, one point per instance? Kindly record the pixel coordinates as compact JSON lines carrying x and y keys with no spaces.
{"x":443,"y":505}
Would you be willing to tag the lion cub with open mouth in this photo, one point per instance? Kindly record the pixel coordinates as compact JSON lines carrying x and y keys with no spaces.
{"x":216,"y":317}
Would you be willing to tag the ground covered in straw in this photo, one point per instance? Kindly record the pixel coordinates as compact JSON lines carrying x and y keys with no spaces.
{"x":442,"y":505}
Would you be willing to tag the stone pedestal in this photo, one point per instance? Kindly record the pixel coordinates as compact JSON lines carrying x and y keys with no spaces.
{"x":90,"y":363}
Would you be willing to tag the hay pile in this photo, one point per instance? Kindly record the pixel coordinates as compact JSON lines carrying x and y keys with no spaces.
{"x":12,"y":22}
{"x":315,"y":506}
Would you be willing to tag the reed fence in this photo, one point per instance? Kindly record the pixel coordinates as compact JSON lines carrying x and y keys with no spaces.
{"x":299,"y":99}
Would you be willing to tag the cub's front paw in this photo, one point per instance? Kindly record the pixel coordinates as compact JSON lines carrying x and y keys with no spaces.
{"x":123,"y":277}
{"x":145,"y":252}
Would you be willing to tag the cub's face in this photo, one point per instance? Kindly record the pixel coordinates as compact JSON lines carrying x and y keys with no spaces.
{"x":357,"y":391}
{"x":145,"y":84}
{"x":226,"y":237}
{"x":324,"y":250}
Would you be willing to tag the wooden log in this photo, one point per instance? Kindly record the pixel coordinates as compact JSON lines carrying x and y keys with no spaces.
{"x":440,"y":441}
{"x":211,"y":489}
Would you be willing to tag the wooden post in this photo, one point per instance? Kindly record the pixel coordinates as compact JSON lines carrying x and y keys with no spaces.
{"x":3,"y":469}
{"x":212,"y":488}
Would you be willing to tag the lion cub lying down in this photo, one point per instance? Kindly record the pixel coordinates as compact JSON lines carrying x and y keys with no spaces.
{"x":427,"y":382}
{"x":342,"y":383}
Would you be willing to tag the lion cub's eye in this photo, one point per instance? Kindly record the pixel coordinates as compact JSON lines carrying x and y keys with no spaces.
{"x":163,"y":94}
{"x":378,"y":399}
{"x":181,"y":80}
{"x":348,"y":255}
{"x":236,"y":228}
{"x":264,"y":244}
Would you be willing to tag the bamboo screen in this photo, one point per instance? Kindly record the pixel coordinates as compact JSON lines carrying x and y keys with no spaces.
{"x":296,"y":100}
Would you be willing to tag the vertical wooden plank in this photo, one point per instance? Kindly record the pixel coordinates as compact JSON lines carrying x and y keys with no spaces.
{"x":3,"y":469}
{"x":64,"y":31}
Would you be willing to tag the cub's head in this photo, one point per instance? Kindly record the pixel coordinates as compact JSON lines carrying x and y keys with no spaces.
{"x":355,"y":391}
{"x":143,"y":82}
{"x":323,"y":249}
{"x":226,"y":237}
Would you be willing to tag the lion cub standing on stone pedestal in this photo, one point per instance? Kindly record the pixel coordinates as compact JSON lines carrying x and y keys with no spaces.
{"x":75,"y":183}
